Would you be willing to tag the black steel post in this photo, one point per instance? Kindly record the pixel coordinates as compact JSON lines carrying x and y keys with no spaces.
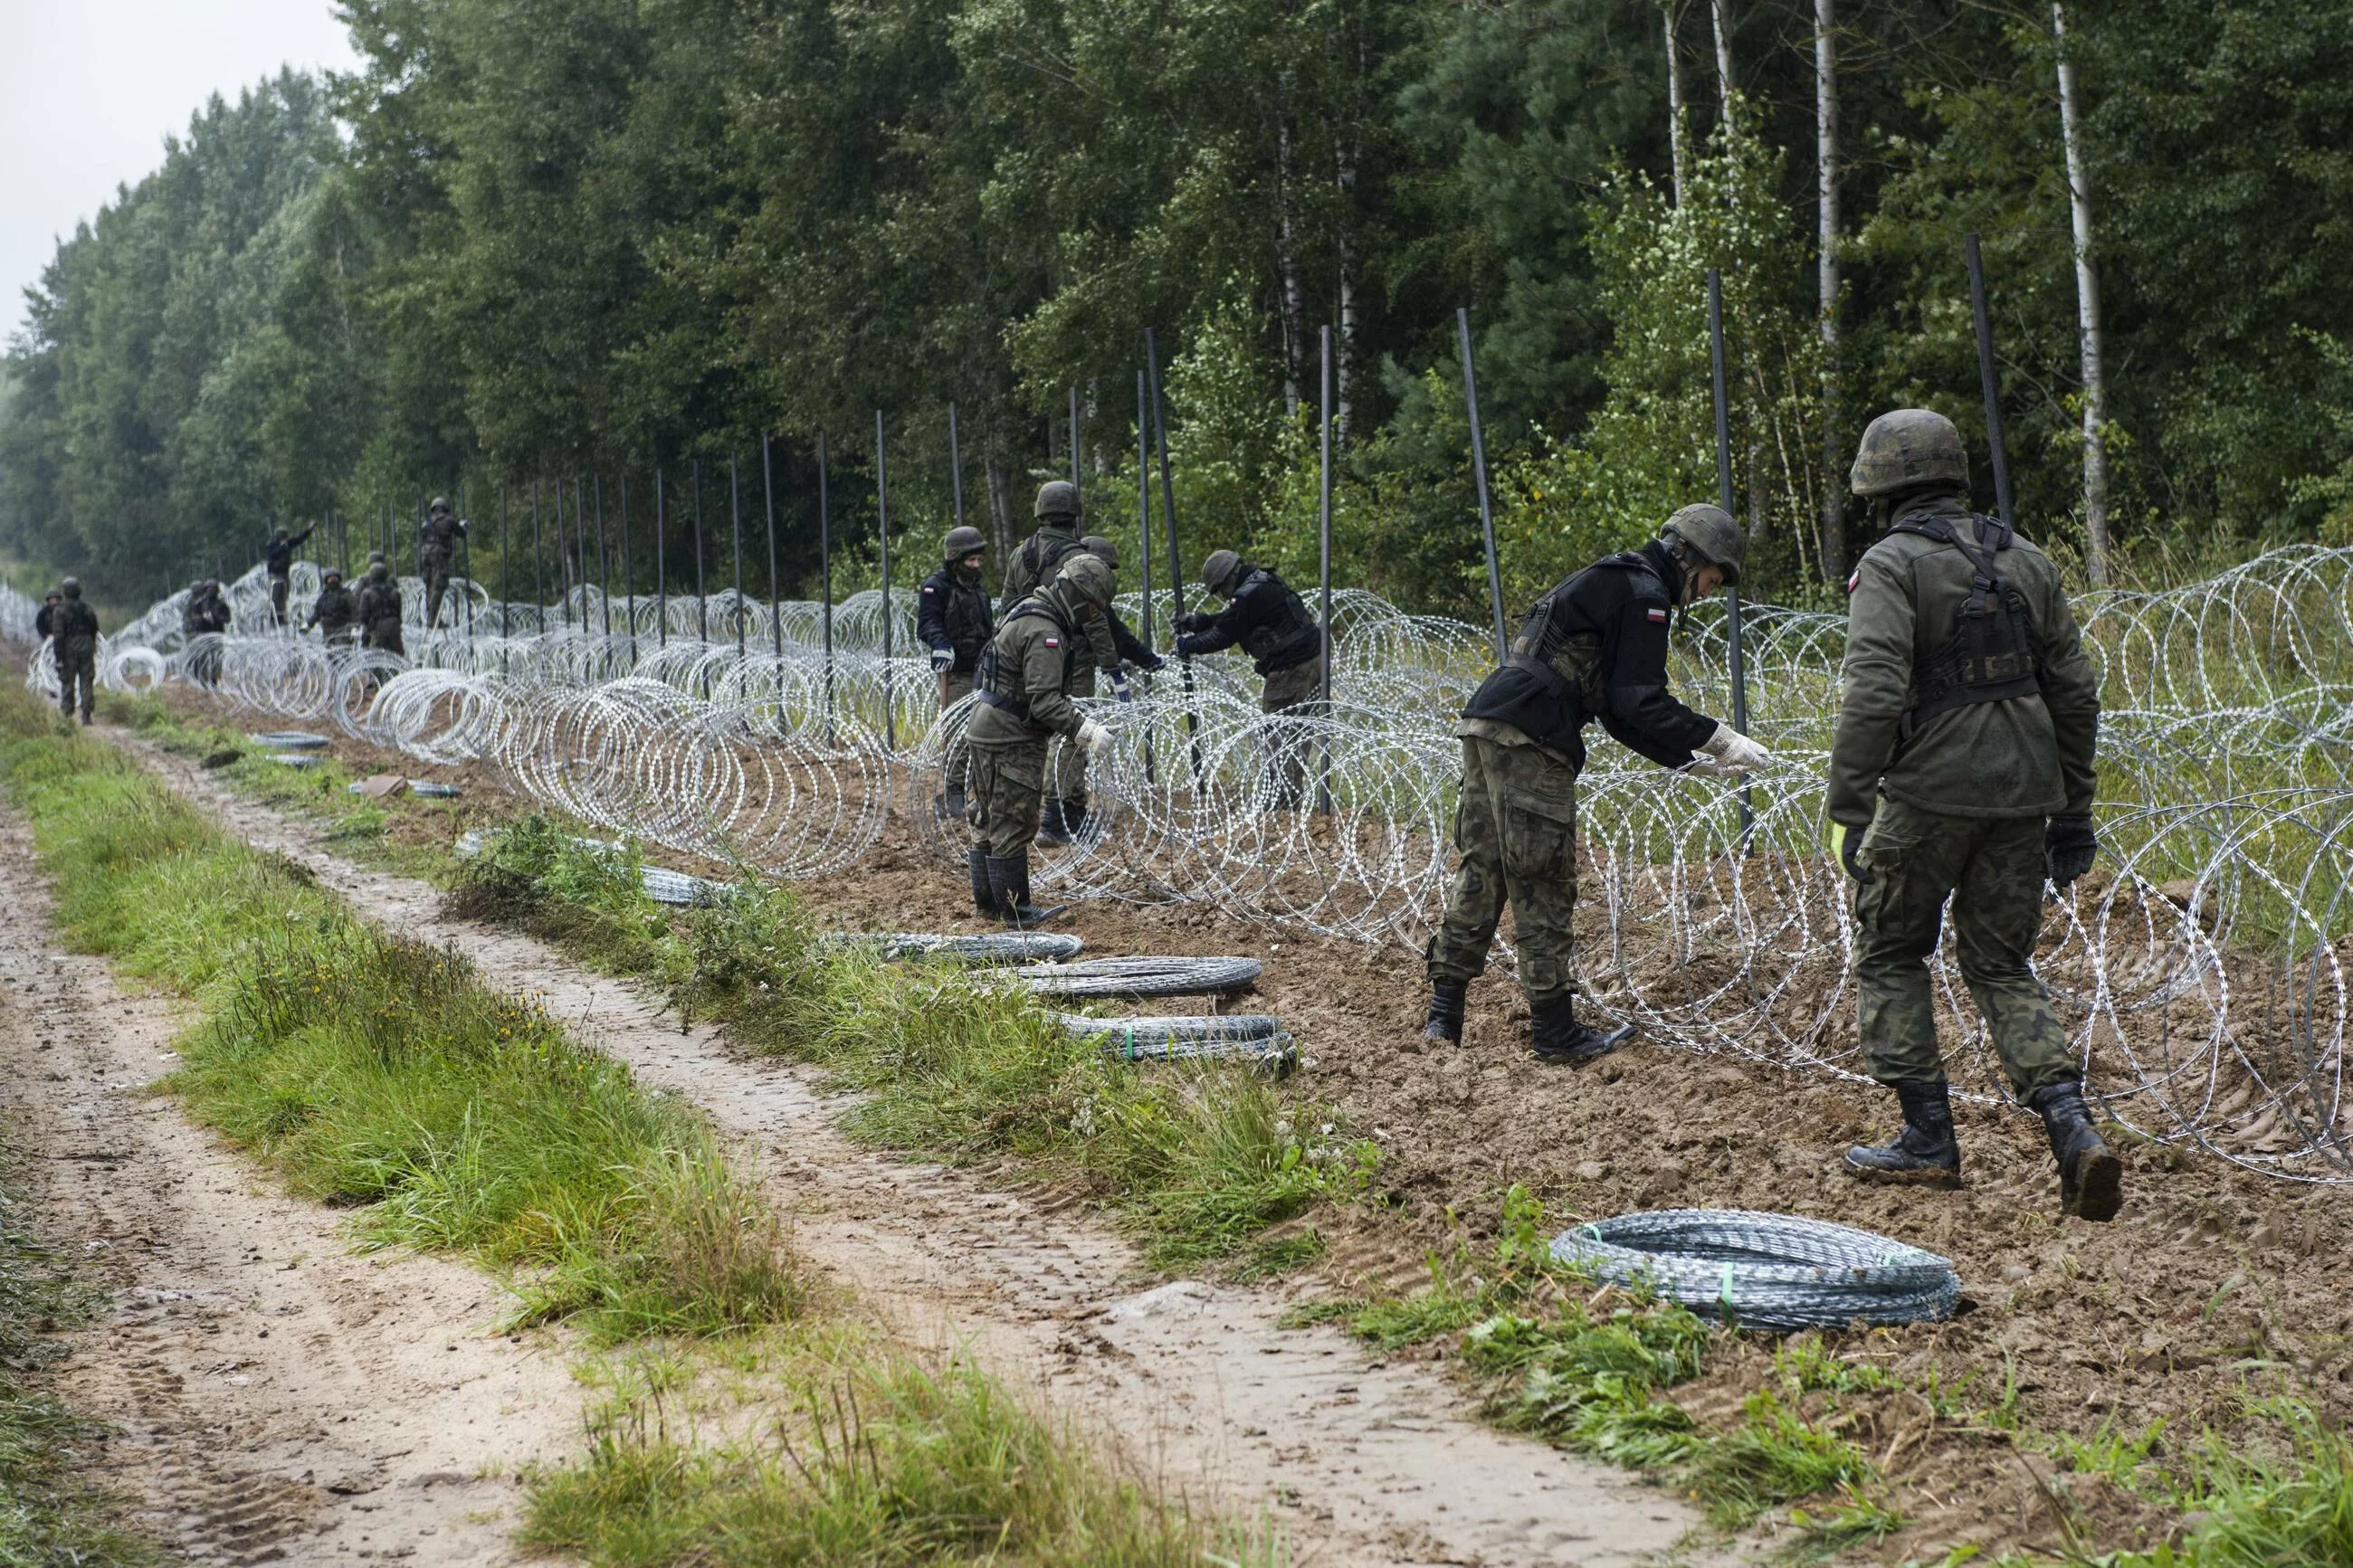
{"x":825,"y":579}
{"x":735,"y":544}
{"x":882,"y":535}
{"x":604,"y":564}
{"x":1988,"y":381}
{"x":1323,"y":535}
{"x":661,"y":563}
{"x":1075,"y":438}
{"x":776,"y":597}
{"x":538,"y":561}
{"x":628,"y":572}
{"x":505,"y":580}
{"x":1144,"y":537}
{"x":955,"y":466}
{"x":1479,"y":475}
{"x":1176,"y":567}
{"x":702,"y":594}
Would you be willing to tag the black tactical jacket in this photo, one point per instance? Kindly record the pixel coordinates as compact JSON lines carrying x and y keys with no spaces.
{"x":954,"y":615}
{"x":1267,"y":618}
{"x":278,"y":554}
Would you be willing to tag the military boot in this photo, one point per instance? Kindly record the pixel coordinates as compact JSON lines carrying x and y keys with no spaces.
{"x":1556,"y":1037}
{"x":983,"y":898}
{"x":1925,"y":1153}
{"x":1446,"y":1011}
{"x":1053,"y":826}
{"x":2090,"y":1177}
{"x":1009,"y":887}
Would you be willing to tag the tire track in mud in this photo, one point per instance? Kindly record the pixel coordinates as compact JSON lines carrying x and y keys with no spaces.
{"x":1362,"y":1459}
{"x":268,"y":1396}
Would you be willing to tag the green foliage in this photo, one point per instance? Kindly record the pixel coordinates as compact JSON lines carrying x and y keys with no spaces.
{"x":2251,"y":1508}
{"x":535,"y":874}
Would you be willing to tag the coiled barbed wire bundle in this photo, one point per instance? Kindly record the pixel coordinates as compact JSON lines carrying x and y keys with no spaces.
{"x":2198,"y":966}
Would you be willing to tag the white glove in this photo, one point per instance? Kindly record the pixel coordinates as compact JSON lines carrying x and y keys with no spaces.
{"x":1119,"y":685}
{"x":1705,"y":767}
{"x":1093,"y":737}
{"x":943,"y":660}
{"x":1735,"y":751}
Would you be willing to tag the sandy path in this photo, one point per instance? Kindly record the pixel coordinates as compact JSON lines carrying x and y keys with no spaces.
{"x":271,"y":1395}
{"x":1362,"y":1460}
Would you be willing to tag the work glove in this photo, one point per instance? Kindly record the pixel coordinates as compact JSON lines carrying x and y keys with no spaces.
{"x":1191,"y":621}
{"x":1850,"y":852}
{"x":1735,"y":751}
{"x":943,"y":660}
{"x":1093,"y":737}
{"x":1185,"y":648}
{"x":1152,"y":665}
{"x":2068,"y":846}
{"x":1119,"y":685}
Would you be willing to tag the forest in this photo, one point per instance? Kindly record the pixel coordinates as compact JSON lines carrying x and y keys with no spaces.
{"x":531,"y":242}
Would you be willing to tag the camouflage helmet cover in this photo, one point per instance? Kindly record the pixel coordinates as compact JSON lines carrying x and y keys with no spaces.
{"x":1908,"y":450}
{"x":1057,"y":498}
{"x":1219,"y":569}
{"x":70,"y":587}
{"x":961,"y":543}
{"x":1085,"y":580}
{"x":1710,"y":534}
{"x":440,"y":504}
{"x":379,"y":572}
{"x":1102,"y":549}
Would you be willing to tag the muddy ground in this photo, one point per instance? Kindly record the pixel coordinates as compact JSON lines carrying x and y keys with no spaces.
{"x":2216,"y":1284}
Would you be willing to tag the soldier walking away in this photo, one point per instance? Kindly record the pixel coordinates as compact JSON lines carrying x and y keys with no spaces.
{"x":1065,"y":815}
{"x":379,"y":610}
{"x":1593,"y":647}
{"x":953,"y":618}
{"x":437,"y":554}
{"x":335,"y":611}
{"x":1023,"y":684}
{"x":42,"y":617}
{"x":278,"y":564}
{"x":206,"y":613}
{"x":1286,"y":649}
{"x":73,"y":628}
{"x":1961,"y":771}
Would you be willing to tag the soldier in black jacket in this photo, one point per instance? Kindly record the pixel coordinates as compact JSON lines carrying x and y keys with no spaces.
{"x":1593,"y":647}
{"x":1286,"y":647}
{"x":953,"y":618}
{"x":204,"y":615}
{"x":45,"y":615}
{"x":336,"y":611}
{"x":277,"y":560}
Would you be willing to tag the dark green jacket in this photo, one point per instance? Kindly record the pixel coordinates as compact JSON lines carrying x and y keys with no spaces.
{"x":2023,"y":756}
{"x":1033,"y":658}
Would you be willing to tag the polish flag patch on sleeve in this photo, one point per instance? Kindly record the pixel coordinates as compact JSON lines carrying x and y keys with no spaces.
{"x":1854,"y":581}
{"x":1053,"y":642}
{"x":1659,"y":616}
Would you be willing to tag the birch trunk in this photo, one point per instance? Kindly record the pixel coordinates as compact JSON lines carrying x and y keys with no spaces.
{"x":2087,"y":314}
{"x":1343,"y":346}
{"x":1721,"y":10}
{"x":1669,"y":14}
{"x":1834,"y":540}
{"x":1294,"y":293}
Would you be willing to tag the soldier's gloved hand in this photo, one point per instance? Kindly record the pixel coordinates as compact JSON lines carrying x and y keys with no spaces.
{"x":1705,"y":767}
{"x":1093,"y":737}
{"x":1191,"y":621}
{"x":1736,"y":751}
{"x":943,"y":660}
{"x":1850,"y":852}
{"x":2068,"y":846}
{"x":1119,"y":685}
{"x":1185,"y":648}
{"x":1152,"y":665}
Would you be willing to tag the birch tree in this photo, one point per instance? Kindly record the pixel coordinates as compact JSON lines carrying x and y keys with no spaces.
{"x":2087,"y":313}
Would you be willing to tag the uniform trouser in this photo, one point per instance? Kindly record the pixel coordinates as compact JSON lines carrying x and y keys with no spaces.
{"x":277,"y":590}
{"x":434,"y":567}
{"x":1066,"y":771}
{"x":1007,"y":789}
{"x":1516,"y":831}
{"x":1991,"y":871}
{"x":78,"y":670}
{"x":1297,"y":692}
{"x":954,"y":688}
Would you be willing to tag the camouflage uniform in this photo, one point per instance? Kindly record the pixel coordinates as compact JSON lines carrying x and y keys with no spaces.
{"x":437,"y":552}
{"x":1040,"y":653}
{"x":1516,"y":831}
{"x":379,"y":608}
{"x":334,"y":612}
{"x":1955,"y":809}
{"x":74,"y":633}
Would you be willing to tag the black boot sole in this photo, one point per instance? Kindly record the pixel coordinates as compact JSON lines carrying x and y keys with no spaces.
{"x":1442,"y":1032}
{"x":1935,"y":1176}
{"x":2099,"y":1188}
{"x":1607,"y":1044}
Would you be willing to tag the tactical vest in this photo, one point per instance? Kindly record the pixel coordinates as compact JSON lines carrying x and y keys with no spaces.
{"x":1287,"y":637}
{"x":1043,"y":557}
{"x":1552,"y":682}
{"x":965,"y":616}
{"x":1993,"y":654}
{"x":74,"y":627}
{"x":1001,"y":687}
{"x":379,"y":602}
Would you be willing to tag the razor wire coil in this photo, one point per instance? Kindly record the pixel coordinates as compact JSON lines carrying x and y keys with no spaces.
{"x":1765,"y":1270}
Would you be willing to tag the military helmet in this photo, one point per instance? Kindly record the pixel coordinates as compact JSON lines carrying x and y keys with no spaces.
{"x":379,"y":572}
{"x":1220,"y":570}
{"x":1908,"y":450}
{"x":440,"y":503}
{"x":331,"y":574}
{"x":1057,"y":498}
{"x":961,"y":543}
{"x":376,"y":557}
{"x":1708,"y":532}
{"x":278,"y":535}
{"x":1087,"y":579}
{"x":70,"y":587}
{"x":1102,"y":549}
{"x":53,"y":593}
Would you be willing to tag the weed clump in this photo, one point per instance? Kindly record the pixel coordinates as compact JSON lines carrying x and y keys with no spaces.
{"x":590,"y":898}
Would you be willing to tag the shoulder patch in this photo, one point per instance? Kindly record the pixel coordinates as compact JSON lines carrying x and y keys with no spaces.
{"x":1053,"y":642}
{"x":1656,"y":615}
{"x":1854,"y":580}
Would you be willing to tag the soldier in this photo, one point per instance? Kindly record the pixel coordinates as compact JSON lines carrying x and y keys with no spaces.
{"x":73,"y":628}
{"x":334,"y":612}
{"x":1961,"y":771}
{"x":278,"y":564}
{"x":1285,"y":646}
{"x":436,"y":551}
{"x":1065,"y":816}
{"x":1593,"y":647}
{"x":45,"y":615}
{"x":379,"y":610}
{"x":1042,"y":556}
{"x":952,"y":616}
{"x":204,"y":615}
{"x":1023,"y":683}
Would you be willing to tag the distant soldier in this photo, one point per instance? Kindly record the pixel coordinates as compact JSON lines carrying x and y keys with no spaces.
{"x":1065,"y":815}
{"x":45,"y":615}
{"x":1593,"y":647}
{"x":1040,"y":557}
{"x":379,"y":610}
{"x":335,"y":611}
{"x":1962,"y":773}
{"x":953,"y":618}
{"x":1023,"y":684}
{"x":437,"y":554}
{"x":73,"y":630}
{"x":278,"y":564}
{"x":1285,"y":646}
{"x":206,"y":613}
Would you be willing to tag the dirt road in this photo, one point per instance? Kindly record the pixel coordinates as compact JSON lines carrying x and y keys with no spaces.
{"x":1362,"y":1461}
{"x":271,"y":1394}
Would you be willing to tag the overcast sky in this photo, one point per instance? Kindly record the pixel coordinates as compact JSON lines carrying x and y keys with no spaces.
{"x":88,"y":90}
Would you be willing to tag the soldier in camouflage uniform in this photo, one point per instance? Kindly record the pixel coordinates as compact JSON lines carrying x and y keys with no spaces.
{"x":437,"y":554}
{"x":1065,"y":816}
{"x":73,"y":632}
{"x":1023,"y":686}
{"x":379,"y":608}
{"x":278,"y":565}
{"x":1961,"y":773}
{"x":1593,"y":647}
{"x":335,"y":611}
